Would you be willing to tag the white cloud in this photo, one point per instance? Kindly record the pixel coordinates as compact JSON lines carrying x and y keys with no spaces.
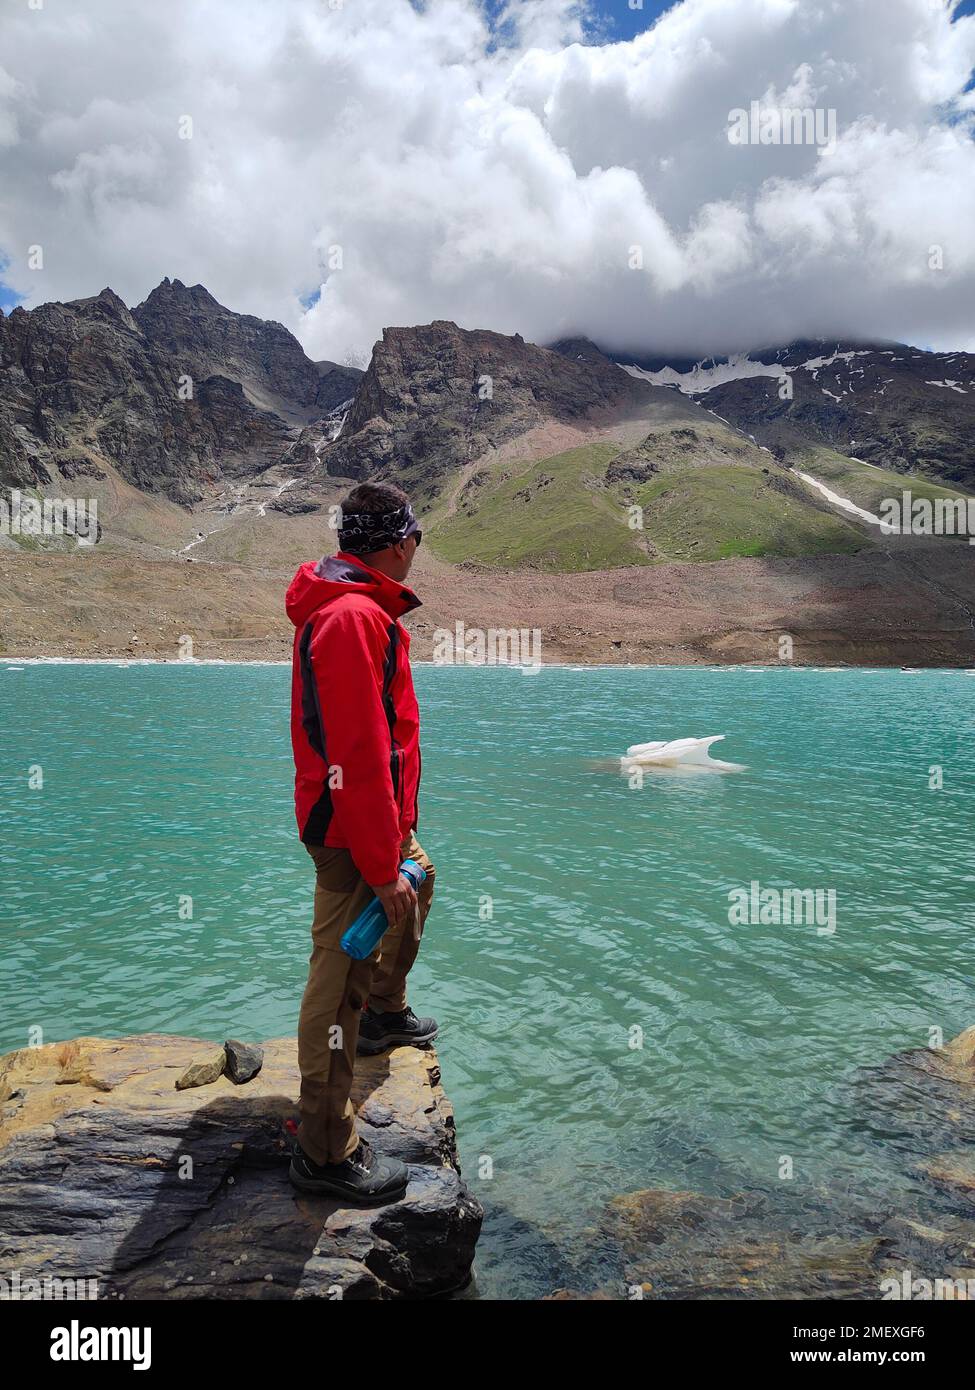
{"x":498,"y":185}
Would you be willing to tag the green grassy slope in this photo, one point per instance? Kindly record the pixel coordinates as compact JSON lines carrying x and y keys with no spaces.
{"x":716,"y":513}
{"x":863,"y":484}
{"x":562,"y":513}
{"x":555,"y":514}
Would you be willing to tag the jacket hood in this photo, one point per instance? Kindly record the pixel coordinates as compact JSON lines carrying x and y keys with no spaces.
{"x":317,"y":583}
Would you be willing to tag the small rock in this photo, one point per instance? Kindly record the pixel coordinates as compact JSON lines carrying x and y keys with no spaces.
{"x":955,"y":1171}
{"x":244,"y":1060}
{"x":203,"y":1071}
{"x":961,"y":1050}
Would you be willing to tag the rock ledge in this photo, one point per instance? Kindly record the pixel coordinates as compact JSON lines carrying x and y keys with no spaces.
{"x":108,"y":1172}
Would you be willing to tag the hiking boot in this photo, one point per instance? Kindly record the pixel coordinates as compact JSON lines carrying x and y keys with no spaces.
{"x":379,"y":1031}
{"x":363,"y":1179}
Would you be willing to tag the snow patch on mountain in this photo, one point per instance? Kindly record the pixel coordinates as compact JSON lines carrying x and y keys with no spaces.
{"x":837,"y":501}
{"x":702,"y":378}
{"x":949,"y":386}
{"x":815,"y":362}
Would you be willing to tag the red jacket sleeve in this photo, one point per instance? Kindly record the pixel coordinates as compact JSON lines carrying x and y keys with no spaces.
{"x":348,"y":652}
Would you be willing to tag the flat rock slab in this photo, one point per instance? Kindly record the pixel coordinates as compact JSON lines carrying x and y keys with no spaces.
{"x":108,"y":1172}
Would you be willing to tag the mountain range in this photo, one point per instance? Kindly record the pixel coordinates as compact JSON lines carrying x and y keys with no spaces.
{"x":888,"y":404}
{"x":633,"y":508}
{"x":174,"y":394}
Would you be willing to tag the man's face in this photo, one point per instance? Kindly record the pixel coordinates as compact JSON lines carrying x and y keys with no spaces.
{"x":404,"y":552}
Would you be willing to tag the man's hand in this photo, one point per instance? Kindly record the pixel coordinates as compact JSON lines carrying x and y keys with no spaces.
{"x":398,"y":899}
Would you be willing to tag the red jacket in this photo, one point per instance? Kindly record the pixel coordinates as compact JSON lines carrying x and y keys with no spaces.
{"x":355,"y":724}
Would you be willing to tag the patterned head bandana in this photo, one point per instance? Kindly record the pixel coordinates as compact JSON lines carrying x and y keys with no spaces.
{"x":362,"y":532}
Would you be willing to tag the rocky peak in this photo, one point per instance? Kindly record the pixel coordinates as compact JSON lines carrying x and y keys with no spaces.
{"x":106,"y":306}
{"x":268,"y":361}
{"x":172,"y":314}
{"x":579,"y":349}
{"x":90,"y":374}
{"x":436,"y":396}
{"x":172,"y":296}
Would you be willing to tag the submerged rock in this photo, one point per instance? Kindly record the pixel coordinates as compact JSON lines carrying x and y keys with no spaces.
{"x":920,"y":1106}
{"x":108,"y":1172}
{"x":954,"y":1171}
{"x":921,"y":1101}
{"x":688,"y":1245}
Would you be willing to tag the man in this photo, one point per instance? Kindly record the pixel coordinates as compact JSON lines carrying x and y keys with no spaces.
{"x":355,"y":735}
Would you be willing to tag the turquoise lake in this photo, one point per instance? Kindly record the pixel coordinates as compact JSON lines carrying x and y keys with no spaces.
{"x":610,"y":910}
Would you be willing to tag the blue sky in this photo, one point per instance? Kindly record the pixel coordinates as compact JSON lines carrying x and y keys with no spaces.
{"x":614,"y":20}
{"x":623,"y":23}
{"x":7,"y":297}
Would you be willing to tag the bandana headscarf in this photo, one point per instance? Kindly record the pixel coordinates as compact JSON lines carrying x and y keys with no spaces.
{"x":362,"y":532}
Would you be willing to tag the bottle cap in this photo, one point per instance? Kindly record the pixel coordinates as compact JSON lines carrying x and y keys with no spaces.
{"x":415,"y":872}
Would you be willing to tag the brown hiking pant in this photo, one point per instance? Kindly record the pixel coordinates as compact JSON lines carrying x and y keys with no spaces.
{"x":337,"y":990}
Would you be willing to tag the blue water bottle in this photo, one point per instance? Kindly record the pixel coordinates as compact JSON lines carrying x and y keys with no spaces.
{"x":365,"y":933}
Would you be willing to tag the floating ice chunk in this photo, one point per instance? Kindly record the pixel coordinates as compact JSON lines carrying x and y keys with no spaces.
{"x":679,"y":752}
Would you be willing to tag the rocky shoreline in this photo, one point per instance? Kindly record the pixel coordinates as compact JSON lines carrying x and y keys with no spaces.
{"x":856,"y":610}
{"x":141,"y":1163}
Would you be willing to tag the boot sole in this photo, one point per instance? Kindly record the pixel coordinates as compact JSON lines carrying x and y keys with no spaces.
{"x":370,"y":1048}
{"x":319,"y":1188}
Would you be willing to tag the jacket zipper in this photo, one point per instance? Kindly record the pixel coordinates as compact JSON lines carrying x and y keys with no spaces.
{"x":396,"y":768}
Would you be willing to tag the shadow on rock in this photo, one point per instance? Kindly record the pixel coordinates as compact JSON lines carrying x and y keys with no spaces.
{"x":108,"y":1171}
